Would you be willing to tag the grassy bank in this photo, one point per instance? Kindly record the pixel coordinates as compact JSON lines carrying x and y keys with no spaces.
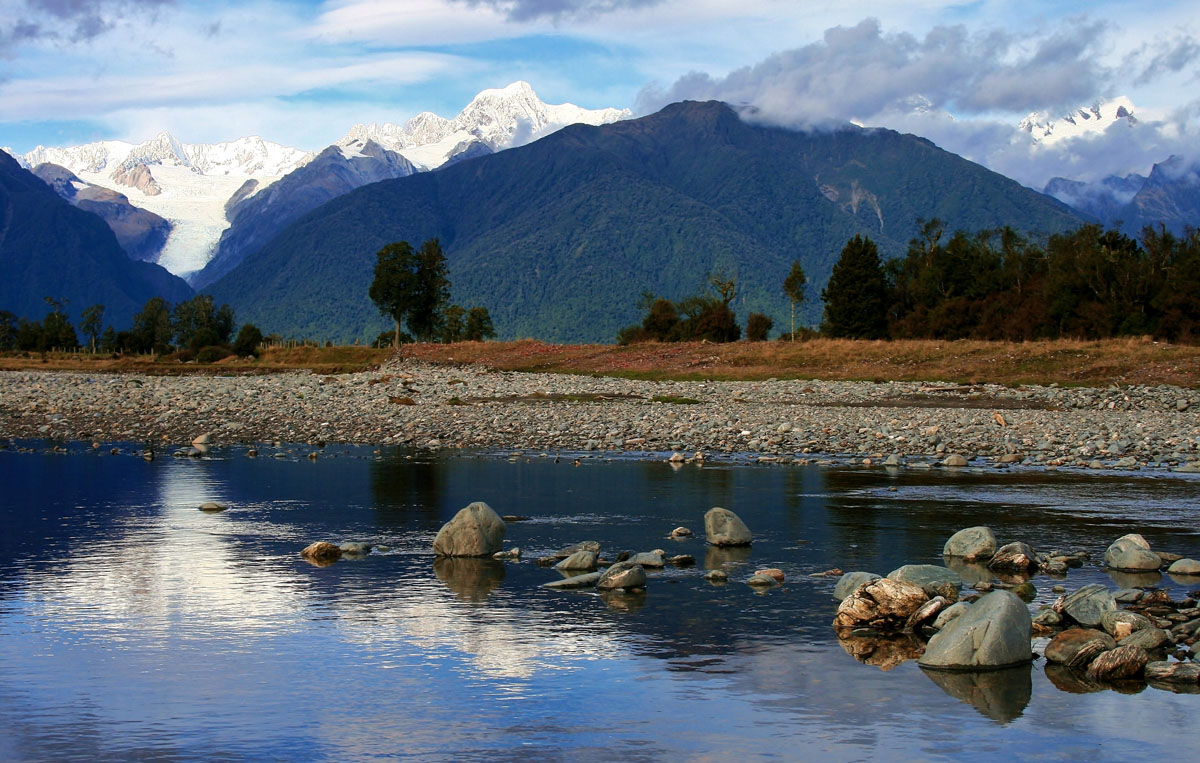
{"x":1114,"y":361}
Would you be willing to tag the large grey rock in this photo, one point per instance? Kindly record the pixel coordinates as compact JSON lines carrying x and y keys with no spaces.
{"x":1087,"y":605}
{"x":1131,"y":553}
{"x":724,"y":528}
{"x":934,"y":580}
{"x":949,"y":613}
{"x":648,"y":559}
{"x":971,"y":544}
{"x":1014,"y":557}
{"x":994,"y":633}
{"x":850,"y":582}
{"x":1148,"y":639}
{"x":1184,"y":567}
{"x":586,"y":580}
{"x":580,"y":560}
{"x":885,"y":605}
{"x":474,"y":531}
{"x":622,"y":575}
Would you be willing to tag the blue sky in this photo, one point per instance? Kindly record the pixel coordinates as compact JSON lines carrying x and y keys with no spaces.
{"x":302,"y":72}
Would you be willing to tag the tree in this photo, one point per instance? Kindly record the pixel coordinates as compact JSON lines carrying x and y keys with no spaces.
{"x":479,"y":325}
{"x":856,"y":297}
{"x":8,"y":330}
{"x":395,"y":283}
{"x":93,"y":323}
{"x":452,"y":324}
{"x":757,"y":327}
{"x":152,"y":330}
{"x":248,"y":340}
{"x":432,"y":294}
{"x":661,"y":320}
{"x":57,"y":330}
{"x":198,"y":323}
{"x":793,"y":287}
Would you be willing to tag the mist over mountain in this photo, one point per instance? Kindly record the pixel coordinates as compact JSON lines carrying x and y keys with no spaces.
{"x":49,"y":248}
{"x":1169,"y":196}
{"x":560,"y":238}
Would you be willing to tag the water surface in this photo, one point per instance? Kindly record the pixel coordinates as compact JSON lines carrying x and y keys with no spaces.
{"x":133,"y":625}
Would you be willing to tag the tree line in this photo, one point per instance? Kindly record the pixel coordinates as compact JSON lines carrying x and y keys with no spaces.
{"x":412,"y":287}
{"x":1089,"y":283}
{"x":195,"y":328}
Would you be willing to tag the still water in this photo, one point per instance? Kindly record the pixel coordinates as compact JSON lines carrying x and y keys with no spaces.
{"x":133,"y":626}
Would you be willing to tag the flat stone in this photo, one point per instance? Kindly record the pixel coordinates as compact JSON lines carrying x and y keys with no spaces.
{"x":213,"y":506}
{"x":586,"y":580}
{"x":1087,"y":605}
{"x":648,"y":559}
{"x":1172,"y":672}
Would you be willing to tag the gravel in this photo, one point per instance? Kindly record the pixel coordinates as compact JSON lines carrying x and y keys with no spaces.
{"x":445,"y":407}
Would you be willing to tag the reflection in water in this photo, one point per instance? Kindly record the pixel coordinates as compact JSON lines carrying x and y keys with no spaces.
{"x":1072,"y":681}
{"x":1191,"y":581}
{"x":721,"y":557}
{"x":624,"y":601}
{"x":1001,"y":695}
{"x":883,"y":652}
{"x":970,"y":572}
{"x":1135,"y":579}
{"x":471,"y":580}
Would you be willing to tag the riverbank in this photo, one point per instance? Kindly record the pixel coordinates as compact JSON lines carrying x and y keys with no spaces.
{"x":407,"y":402}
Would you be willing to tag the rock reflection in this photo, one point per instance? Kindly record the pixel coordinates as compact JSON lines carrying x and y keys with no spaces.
{"x":1135,"y":579}
{"x":884,"y":652}
{"x":624,"y":601}
{"x":970,"y":572}
{"x":1184,"y":580}
{"x":1001,"y":695}
{"x":471,"y":580}
{"x":1071,"y":681}
{"x":716,"y":557}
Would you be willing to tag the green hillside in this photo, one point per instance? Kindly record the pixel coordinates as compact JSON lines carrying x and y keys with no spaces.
{"x":558,"y":239}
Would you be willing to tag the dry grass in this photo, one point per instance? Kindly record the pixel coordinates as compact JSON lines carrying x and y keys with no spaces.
{"x":324,"y":360}
{"x":1114,"y":361}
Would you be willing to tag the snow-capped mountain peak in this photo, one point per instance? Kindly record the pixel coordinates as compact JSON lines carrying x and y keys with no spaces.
{"x":498,"y":118}
{"x":1082,"y":122}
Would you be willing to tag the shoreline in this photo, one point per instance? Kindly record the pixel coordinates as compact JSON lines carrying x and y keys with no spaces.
{"x":443,"y":407}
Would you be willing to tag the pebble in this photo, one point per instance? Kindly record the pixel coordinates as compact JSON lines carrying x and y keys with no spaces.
{"x":1125,"y":427}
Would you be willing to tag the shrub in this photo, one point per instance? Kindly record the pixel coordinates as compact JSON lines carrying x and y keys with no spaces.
{"x":212,"y":354}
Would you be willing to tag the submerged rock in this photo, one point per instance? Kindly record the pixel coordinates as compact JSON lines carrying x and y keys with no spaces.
{"x":587,"y":580}
{"x":355,"y":548}
{"x":971,"y":544}
{"x":321,"y":553}
{"x":993,"y":633}
{"x":724,"y":528}
{"x":213,"y":506}
{"x":476,"y":530}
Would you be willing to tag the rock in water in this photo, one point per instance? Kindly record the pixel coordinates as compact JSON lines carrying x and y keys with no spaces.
{"x":357,"y":548}
{"x":474,"y":531}
{"x":1173,"y":672}
{"x":321,"y":553}
{"x":580,"y":560}
{"x":1088,"y":605}
{"x":935,"y":580}
{"x":1109,"y":621}
{"x":885,"y":605}
{"x":648,"y":559}
{"x":587,"y":580}
{"x":994,"y":633}
{"x":1184,"y":567}
{"x":1131,"y":553}
{"x":723,"y":528}
{"x":1013,"y":557}
{"x":622,"y":575}
{"x":212,"y":506}
{"x":1077,"y":647}
{"x":1115,"y":664}
{"x":849,"y":583}
{"x":971,"y":544}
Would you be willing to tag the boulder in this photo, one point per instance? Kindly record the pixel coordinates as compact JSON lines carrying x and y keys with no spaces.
{"x":971,"y":544}
{"x":1184,"y":567}
{"x":622,"y":575}
{"x":681,"y":532}
{"x":587,"y":580}
{"x":1077,"y":647}
{"x":648,"y":559}
{"x":1148,"y":639}
{"x":949,"y":613}
{"x":1109,"y":622}
{"x":723,"y":528}
{"x":935,"y":580}
{"x":321,"y":553}
{"x":993,"y":634}
{"x":474,"y":531}
{"x":1115,"y":664}
{"x":771,"y":572}
{"x":586,"y":545}
{"x":1013,"y":557}
{"x":580,"y":560}
{"x":1173,"y":672}
{"x":849,"y":583}
{"x":884,"y":605}
{"x":356,"y":549}
{"x":955,"y":460}
{"x":1087,"y":605}
{"x":1131,"y":553}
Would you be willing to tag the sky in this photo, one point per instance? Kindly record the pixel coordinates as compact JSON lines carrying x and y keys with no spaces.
{"x":301,"y":73}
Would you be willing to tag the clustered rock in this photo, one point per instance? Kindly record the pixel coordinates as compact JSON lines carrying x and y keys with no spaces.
{"x":1094,"y":644}
{"x":893,"y":424}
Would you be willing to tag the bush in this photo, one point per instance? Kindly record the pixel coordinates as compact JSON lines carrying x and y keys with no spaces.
{"x":757,"y":327}
{"x":248,"y":340}
{"x":212,"y":354}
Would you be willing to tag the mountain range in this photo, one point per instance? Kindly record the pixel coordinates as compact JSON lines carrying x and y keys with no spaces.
{"x":560,"y":238}
{"x":194,"y":186}
{"x":1168,"y":196}
{"x":51,"y":248}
